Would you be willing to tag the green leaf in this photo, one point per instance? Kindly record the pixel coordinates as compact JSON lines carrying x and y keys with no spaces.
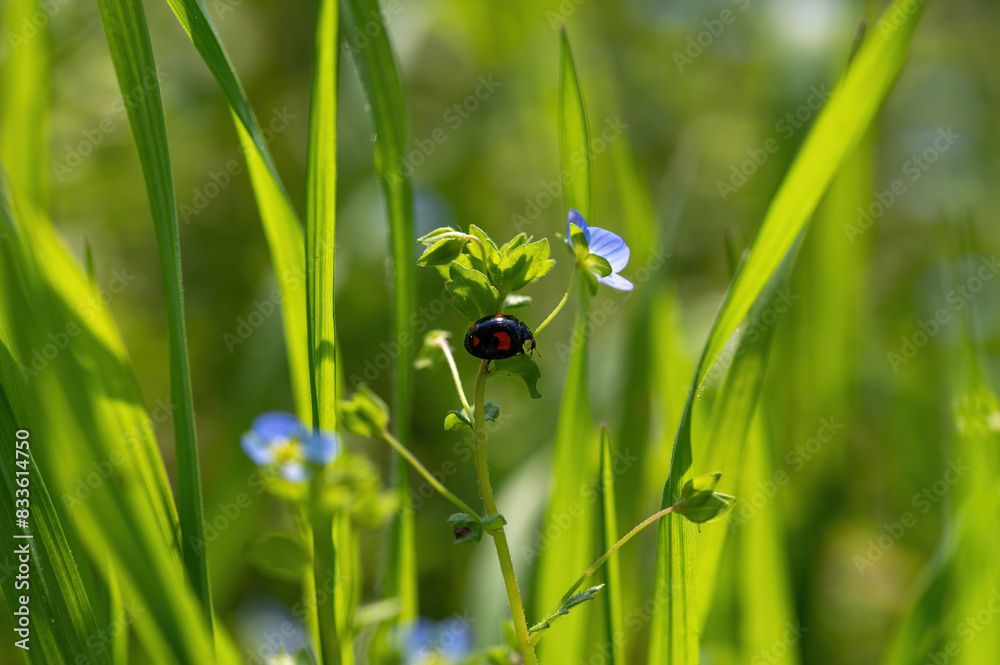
{"x":365,"y":414}
{"x":575,"y":463}
{"x":491,"y":411}
{"x":63,"y":618}
{"x":523,"y":265}
{"x":514,"y":243}
{"x":474,"y":296}
{"x":132,"y":55}
{"x":515,"y":301}
{"x":321,"y":215}
{"x":468,"y":529}
{"x":442,"y":252}
{"x":432,"y":349}
{"x":24,"y":96}
{"x":279,"y":555}
{"x":613,"y":603}
{"x":837,"y":130}
{"x":564,"y":609}
{"x":574,"y":135}
{"x":439,"y":234}
{"x":456,"y":420}
{"x":523,"y":366}
{"x":493,"y":522}
{"x":280,"y":221}
{"x":383,"y":91}
{"x":484,"y":254}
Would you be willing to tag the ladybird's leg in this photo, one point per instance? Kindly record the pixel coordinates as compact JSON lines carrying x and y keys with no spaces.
{"x":488,"y":368}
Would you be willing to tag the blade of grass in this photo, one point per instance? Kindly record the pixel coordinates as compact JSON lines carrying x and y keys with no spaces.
{"x":24,"y":131}
{"x":612,"y":596}
{"x":576,"y":455}
{"x":62,"y":616}
{"x":321,"y":215}
{"x":765,"y":589}
{"x":132,"y":54}
{"x":85,"y":406}
{"x":383,"y":90}
{"x":574,"y":143}
{"x":281,"y":224}
{"x":726,"y":438}
{"x":838,"y":128}
{"x":381,"y":83}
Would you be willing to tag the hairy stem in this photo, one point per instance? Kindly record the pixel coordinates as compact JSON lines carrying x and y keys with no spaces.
{"x":422,"y":470}
{"x":565,"y":298}
{"x":499,"y":537}
{"x":600,"y":562}
{"x":454,"y":375}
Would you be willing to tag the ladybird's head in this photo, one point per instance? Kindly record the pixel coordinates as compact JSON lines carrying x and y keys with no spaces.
{"x":529,"y":345}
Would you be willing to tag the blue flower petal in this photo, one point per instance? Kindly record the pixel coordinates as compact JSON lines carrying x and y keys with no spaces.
{"x":616,"y":281}
{"x":454,"y":639}
{"x":610,"y":246}
{"x":294,"y":472}
{"x":416,"y":639}
{"x":320,"y":447}
{"x":576,"y":218}
{"x":257,"y":448}
{"x":278,"y":425}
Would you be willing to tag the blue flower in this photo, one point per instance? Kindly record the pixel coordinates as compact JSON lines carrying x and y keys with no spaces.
{"x":427,"y":642}
{"x":605,"y":244}
{"x":282,"y":440}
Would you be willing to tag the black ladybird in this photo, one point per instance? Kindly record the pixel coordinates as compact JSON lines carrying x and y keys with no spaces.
{"x":497,"y":337}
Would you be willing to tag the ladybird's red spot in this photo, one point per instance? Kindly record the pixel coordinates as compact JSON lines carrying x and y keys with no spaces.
{"x":475,"y":341}
{"x":503,"y":341}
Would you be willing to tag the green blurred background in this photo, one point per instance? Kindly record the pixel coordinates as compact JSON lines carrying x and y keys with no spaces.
{"x":481,"y":84}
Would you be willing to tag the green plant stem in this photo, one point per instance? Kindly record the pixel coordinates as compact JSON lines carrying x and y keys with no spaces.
{"x":454,"y":374}
{"x":309,"y":585}
{"x":499,"y":537}
{"x":600,"y":562}
{"x":565,"y":298}
{"x":324,"y":562}
{"x":422,"y":470}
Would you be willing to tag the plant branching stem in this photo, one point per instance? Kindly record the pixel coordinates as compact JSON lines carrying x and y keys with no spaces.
{"x":454,"y":375}
{"x":600,"y":562}
{"x":499,"y":537}
{"x":541,"y":326}
{"x":422,"y":470}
